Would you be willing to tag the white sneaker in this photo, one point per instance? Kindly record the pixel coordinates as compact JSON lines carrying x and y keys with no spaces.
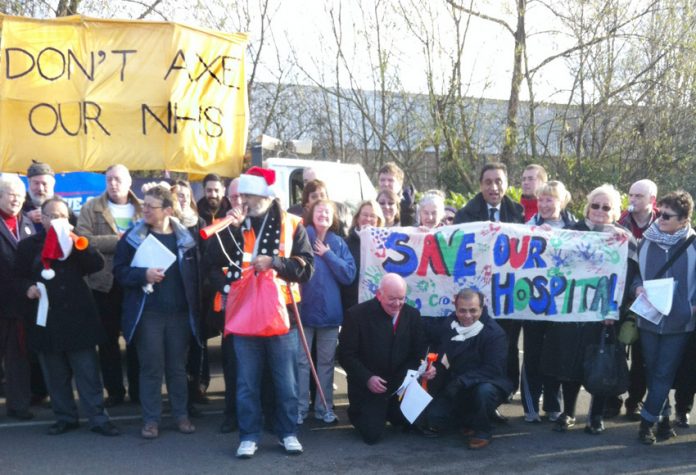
{"x":533,"y":418}
{"x":246,"y":449}
{"x":328,"y":417}
{"x":553,"y":416}
{"x":291,"y":445}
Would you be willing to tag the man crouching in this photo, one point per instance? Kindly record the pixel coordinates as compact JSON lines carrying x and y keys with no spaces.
{"x":471,"y":371}
{"x":381,"y":339}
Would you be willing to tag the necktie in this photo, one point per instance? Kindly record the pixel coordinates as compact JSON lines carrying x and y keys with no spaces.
{"x":491,"y":213}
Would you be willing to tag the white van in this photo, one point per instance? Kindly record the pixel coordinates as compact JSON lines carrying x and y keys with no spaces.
{"x":346,"y":182}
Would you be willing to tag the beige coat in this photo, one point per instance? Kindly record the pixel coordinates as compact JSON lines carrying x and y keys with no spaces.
{"x":97,"y":224}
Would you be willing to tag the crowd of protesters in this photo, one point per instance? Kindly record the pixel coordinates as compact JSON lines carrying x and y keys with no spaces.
{"x":91,"y":294}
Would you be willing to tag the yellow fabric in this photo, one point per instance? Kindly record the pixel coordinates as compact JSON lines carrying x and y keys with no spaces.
{"x":82,"y":93}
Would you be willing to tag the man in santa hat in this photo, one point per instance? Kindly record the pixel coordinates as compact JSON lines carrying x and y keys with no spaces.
{"x":263,"y":236}
{"x":64,"y":328}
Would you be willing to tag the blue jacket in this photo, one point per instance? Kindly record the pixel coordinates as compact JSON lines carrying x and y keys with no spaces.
{"x":321,"y":295}
{"x":132,"y":279}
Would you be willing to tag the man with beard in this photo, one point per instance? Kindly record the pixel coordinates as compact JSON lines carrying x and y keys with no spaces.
{"x":214,"y":205}
{"x":42,"y":181}
{"x":263,"y":236}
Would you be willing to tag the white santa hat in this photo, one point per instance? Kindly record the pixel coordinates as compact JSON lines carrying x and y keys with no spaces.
{"x":257,"y":181}
{"x":58,"y":245}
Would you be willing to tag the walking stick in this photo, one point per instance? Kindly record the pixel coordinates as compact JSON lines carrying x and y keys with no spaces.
{"x":307,"y":351}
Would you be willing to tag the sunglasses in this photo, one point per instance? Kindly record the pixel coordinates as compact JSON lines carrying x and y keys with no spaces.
{"x":666,"y":216}
{"x":606,"y":208}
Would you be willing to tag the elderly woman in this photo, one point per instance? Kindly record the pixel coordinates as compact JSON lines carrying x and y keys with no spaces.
{"x":431,"y":209}
{"x":369,"y":214}
{"x":564,"y":344}
{"x":160,"y":321}
{"x":389,"y":202}
{"x":663,"y":340}
{"x":321,"y":308}
{"x":552,"y":199}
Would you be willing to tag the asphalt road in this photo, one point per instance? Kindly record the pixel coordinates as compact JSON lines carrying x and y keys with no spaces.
{"x":518,"y":447}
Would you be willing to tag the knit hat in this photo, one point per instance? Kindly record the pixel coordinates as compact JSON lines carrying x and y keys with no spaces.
{"x":257,"y":181}
{"x":38,"y":168}
{"x":58,"y":245}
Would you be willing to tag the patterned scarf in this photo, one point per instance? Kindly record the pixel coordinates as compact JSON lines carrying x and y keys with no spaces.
{"x":654,"y":234}
{"x":464,"y":333}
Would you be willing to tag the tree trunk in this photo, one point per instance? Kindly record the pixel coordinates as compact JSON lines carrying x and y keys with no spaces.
{"x":510,"y":139}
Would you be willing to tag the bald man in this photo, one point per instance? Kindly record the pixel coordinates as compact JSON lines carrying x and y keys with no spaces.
{"x":380,"y":340}
{"x":103,"y":219}
{"x":641,"y":210}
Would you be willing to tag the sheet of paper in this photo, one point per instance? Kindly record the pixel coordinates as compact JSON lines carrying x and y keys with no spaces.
{"x":660,"y":293}
{"x":42,"y":312}
{"x":411,"y":375}
{"x":152,"y":253}
{"x":641,"y":306}
{"x":415,"y":400}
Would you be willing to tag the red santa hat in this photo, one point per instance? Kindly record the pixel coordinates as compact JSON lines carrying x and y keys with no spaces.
{"x":257,"y":181}
{"x":58,"y":245}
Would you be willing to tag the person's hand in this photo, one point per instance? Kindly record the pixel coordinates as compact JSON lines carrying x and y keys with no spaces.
{"x":377,"y":385}
{"x":154,"y":276}
{"x":33,"y":292}
{"x":640,"y":291}
{"x":237,"y":214}
{"x":34,"y":215}
{"x":262,"y":263}
{"x":430,"y":372}
{"x":320,"y":248}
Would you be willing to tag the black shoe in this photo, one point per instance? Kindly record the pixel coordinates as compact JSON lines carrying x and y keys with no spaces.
{"x":633,"y":410}
{"x":664,"y":429}
{"x":61,"y":427}
{"x":596,"y":425}
{"x":563,"y":423}
{"x":22,"y":415}
{"x":193,"y":411}
{"x":645,"y":432}
{"x":107,"y":429}
{"x":427,"y":432}
{"x":682,"y":420}
{"x":113,"y":401}
{"x":229,"y":424}
{"x":498,"y":417}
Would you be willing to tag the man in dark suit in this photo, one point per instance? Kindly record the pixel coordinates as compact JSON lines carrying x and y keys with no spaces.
{"x":381,"y":339}
{"x":14,"y":227}
{"x":471,"y":371}
{"x":491,"y":204}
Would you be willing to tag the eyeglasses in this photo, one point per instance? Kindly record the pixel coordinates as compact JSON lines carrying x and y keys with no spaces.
{"x":54,"y":216}
{"x":606,"y":208}
{"x":666,"y":216}
{"x":149,"y":206}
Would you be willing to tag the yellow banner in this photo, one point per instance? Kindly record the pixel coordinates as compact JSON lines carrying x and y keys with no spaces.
{"x":82,"y":94}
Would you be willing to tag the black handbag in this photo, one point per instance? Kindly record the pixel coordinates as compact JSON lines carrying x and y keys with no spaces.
{"x":605,"y":367}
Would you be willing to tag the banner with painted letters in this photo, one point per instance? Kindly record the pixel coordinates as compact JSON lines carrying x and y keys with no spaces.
{"x":525,"y":272}
{"x":82,"y":94}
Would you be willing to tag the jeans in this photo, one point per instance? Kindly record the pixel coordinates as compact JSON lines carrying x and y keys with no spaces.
{"x":662,"y":355}
{"x":280,"y":354}
{"x":162,"y":341}
{"x":326,"y":338}
{"x":473,"y":407}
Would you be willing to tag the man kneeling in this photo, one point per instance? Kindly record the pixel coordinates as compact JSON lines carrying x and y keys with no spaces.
{"x":471,"y":371}
{"x":381,"y":339}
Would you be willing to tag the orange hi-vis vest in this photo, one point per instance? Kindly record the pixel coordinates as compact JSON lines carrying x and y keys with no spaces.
{"x":288,"y":226}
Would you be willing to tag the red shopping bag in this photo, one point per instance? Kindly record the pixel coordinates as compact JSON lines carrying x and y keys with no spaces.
{"x":256,"y":306}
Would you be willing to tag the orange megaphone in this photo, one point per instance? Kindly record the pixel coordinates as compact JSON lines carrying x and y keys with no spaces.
{"x":79,"y":242}
{"x":431,"y":358}
{"x":216,"y":227}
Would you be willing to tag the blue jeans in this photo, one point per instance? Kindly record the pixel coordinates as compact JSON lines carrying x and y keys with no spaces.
{"x":662,"y":355}
{"x":472,"y":407}
{"x":253,"y":353}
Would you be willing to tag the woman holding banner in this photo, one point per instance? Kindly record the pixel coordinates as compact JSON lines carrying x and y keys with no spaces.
{"x":321,"y":308}
{"x":563,"y":351}
{"x":552,"y":199}
{"x":666,"y":251}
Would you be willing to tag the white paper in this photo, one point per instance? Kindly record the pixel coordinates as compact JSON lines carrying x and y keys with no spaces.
{"x":152,"y":254}
{"x":415,"y":400}
{"x":411,"y":375}
{"x":642,"y":307}
{"x":42,"y":312}
{"x":660,"y":293}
